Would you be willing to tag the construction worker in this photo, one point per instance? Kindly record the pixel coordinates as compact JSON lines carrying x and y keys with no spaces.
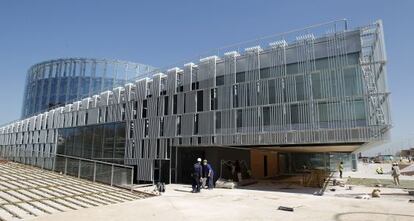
{"x":341,"y":169}
{"x":208,"y":173}
{"x":196,"y":175}
{"x":396,"y":173}
{"x":237,"y":170}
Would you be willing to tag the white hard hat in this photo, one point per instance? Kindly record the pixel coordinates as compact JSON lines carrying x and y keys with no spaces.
{"x":198,"y":159}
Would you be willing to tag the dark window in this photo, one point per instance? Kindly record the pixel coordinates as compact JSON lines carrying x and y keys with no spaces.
{"x":352,"y":82}
{"x":178,"y":122}
{"x":131,"y":130}
{"x":146,"y":125}
{"x":194,"y":80}
{"x":123,"y":111}
{"x":195,"y":86}
{"x":321,"y":64}
{"x":316,"y":86}
{"x":185,"y":98}
{"x":86,"y":118}
{"x":272,"y":91}
{"x":239,"y":119}
{"x":144,"y":108}
{"x":235,"y":96}
{"x":264,"y":73}
{"x":353,"y":58}
{"x":149,"y":89}
{"x":180,"y":87}
{"x":175,"y":104}
{"x":213,"y":100}
{"x":266,"y":116}
{"x":248,"y":96}
{"x":162,"y":126}
{"x":300,"y":88}
{"x":218,"y":120}
{"x":240,"y":77}
{"x":106,"y":114}
{"x":199,"y":101}
{"x":196,"y":124}
{"x":62,"y":141}
{"x":292,"y":68}
{"x":75,"y":120}
{"x":294,"y":114}
{"x":157,"y":154}
{"x":219,"y":80}
{"x":166,"y":105}
{"x":163,"y":86}
{"x":134,"y":111}
{"x":100,"y":118}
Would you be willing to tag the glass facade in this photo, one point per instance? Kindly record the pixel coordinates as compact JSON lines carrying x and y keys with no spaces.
{"x":103,"y":142}
{"x":58,"y":82}
{"x":298,"y":162}
{"x":325,"y":87}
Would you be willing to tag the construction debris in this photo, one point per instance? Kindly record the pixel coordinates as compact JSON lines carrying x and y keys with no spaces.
{"x":364,"y":196}
{"x":222,"y":183}
{"x":284,"y":208}
{"x":376,"y":193}
{"x":316,"y":178}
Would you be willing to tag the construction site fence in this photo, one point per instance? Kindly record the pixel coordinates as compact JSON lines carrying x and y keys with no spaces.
{"x":97,"y":171}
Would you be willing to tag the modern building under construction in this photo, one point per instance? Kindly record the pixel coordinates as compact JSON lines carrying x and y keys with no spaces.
{"x":307,"y":98}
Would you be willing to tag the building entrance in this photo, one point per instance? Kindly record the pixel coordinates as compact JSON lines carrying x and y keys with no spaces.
{"x":186,"y":158}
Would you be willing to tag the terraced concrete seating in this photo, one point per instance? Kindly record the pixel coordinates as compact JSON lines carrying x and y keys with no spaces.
{"x":27,"y":192}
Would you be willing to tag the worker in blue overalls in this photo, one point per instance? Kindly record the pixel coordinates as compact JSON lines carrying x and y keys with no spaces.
{"x":209,"y":174}
{"x":196,"y":175}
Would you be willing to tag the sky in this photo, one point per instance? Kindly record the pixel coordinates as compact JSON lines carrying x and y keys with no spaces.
{"x":161,"y":33}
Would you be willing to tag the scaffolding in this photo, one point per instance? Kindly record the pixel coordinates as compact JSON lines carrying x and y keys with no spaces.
{"x":373,"y":60}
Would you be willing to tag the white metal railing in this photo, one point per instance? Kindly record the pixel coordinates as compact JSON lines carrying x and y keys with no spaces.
{"x":97,"y":171}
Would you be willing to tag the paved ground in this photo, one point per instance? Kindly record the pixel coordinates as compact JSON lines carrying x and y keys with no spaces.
{"x":28,"y":192}
{"x":367,"y":171}
{"x":241,"y":204}
{"x":32,"y":193}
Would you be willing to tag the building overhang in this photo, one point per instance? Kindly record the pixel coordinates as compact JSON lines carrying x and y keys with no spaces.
{"x":313,"y":149}
{"x":294,"y":148}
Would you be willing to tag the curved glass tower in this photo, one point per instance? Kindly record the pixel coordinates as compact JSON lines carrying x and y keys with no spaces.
{"x":58,"y":82}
